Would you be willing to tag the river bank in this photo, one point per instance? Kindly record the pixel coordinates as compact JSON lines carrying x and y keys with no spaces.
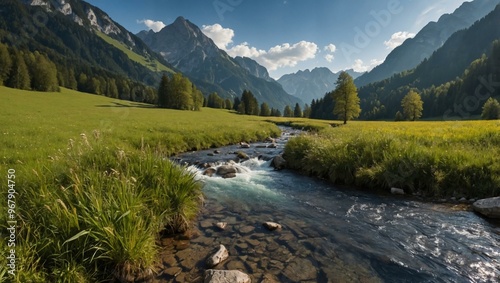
{"x":329,"y":234}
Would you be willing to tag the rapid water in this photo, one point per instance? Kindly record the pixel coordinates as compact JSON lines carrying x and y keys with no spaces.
{"x":342,"y":235}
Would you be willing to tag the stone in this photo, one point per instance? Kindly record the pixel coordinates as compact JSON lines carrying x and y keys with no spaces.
{"x":216,"y":151}
{"x":226,"y":169}
{"x":489,"y":207}
{"x":221,"y":225}
{"x":173,"y":271}
{"x":397,"y":191}
{"x":273,"y":145}
{"x":226,"y":276}
{"x":219,"y":256}
{"x":271,"y":226}
{"x":229,"y":176}
{"x":235,"y":265}
{"x":300,"y":269}
{"x":209,"y":172}
{"x":244,"y":145}
{"x":278,"y":163}
{"x":247,"y":229}
{"x":242,"y":155}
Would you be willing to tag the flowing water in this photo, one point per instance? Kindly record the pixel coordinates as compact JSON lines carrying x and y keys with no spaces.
{"x":331,"y":234}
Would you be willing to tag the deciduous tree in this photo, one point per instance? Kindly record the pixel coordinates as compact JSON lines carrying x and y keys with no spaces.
{"x":346,"y":98}
{"x":412,"y":106}
{"x":491,"y":109}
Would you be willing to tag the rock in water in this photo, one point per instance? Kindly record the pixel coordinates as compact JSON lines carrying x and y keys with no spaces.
{"x":271,"y":226}
{"x":209,"y":172}
{"x":489,"y":207}
{"x":278,"y":163}
{"x":396,"y":191}
{"x":227,"y":170}
{"x":244,"y":145}
{"x":226,"y":276}
{"x":219,"y":256}
{"x":221,"y":225}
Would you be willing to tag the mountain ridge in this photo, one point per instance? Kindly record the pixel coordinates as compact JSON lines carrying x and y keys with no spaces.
{"x":184,"y":45}
{"x":430,"y":38}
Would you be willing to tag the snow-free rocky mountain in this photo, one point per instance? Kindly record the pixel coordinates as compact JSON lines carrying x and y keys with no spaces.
{"x":429,"y":39}
{"x":185,"y":46}
{"x":308,"y":85}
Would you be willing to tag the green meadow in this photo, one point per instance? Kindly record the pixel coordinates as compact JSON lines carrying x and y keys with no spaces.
{"x":93,"y":188}
{"x":94,"y":191}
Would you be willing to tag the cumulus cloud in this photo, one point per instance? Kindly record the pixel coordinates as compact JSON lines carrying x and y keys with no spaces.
{"x":398,"y":38}
{"x":284,"y":55}
{"x":329,"y":58}
{"x":156,"y":26}
{"x":222,"y":37}
{"x":360,"y":66}
{"x":331,"y":48}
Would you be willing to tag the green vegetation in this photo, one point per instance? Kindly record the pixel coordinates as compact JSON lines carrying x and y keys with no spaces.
{"x":346,"y":98}
{"x":93,"y":187}
{"x":491,"y":109}
{"x":179,"y":93}
{"x":150,"y":63}
{"x":434,"y":159}
{"x":412,"y":106}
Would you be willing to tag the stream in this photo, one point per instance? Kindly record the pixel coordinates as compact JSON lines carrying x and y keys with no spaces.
{"x":329,"y":234}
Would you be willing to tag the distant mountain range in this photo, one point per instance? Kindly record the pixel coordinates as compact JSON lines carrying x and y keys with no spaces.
{"x":454,"y":72}
{"x":185,"y":46}
{"x":428,"y":40}
{"x":308,"y":85}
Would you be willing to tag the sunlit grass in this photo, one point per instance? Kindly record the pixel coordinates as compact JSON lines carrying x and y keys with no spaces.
{"x":436,"y":159}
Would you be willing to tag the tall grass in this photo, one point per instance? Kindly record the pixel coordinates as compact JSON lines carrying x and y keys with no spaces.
{"x":435,"y":159}
{"x":94,"y":212}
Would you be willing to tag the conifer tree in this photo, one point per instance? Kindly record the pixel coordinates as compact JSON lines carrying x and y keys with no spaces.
{"x":19,"y":75}
{"x":287,"y":112}
{"x":5,"y":64}
{"x":297,"y":112}
{"x":264,"y":110}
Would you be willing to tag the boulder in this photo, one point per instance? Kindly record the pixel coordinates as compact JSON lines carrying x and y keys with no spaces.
{"x":226,"y":169}
{"x":489,"y":207}
{"x":219,"y":256}
{"x":242,"y":155}
{"x":229,"y":176}
{"x":226,"y":276}
{"x":273,"y":145}
{"x":278,"y":162}
{"x":210,"y":172}
{"x":271,"y":226}
{"x":396,"y":191}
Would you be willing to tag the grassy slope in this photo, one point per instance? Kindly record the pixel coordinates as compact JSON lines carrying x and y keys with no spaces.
{"x":35,"y":125}
{"x":152,"y":65}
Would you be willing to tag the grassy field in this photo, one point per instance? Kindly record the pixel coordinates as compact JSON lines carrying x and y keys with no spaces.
{"x":434,"y":159}
{"x":93,"y":190}
{"x":153,"y":65}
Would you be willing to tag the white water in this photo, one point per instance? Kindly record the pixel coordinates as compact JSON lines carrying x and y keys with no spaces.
{"x":384,"y":238}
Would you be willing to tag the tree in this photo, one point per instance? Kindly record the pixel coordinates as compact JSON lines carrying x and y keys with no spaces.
{"x":197,"y":97}
{"x":228,"y":104}
{"x":264,"y":110}
{"x":5,"y":63}
{"x":287,"y":112}
{"x":491,"y":109}
{"x":412,"y":105}
{"x":19,"y":76}
{"x":43,"y":74}
{"x":307,"y":111}
{"x":346,"y":98}
{"x":163,"y":94}
{"x":297,"y":112}
{"x":399,"y":116}
{"x":250,"y":102}
{"x":215,"y":101}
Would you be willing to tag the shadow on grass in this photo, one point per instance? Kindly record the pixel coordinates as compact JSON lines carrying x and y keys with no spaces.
{"x":128,"y":105}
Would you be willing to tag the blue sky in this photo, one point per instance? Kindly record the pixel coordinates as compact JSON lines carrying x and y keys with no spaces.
{"x":290,"y":35}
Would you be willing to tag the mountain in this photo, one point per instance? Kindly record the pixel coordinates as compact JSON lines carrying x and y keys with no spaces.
{"x":309,"y":85}
{"x":254,"y":68}
{"x":185,"y":46}
{"x":85,"y":45}
{"x":442,"y":77}
{"x":413,"y":51}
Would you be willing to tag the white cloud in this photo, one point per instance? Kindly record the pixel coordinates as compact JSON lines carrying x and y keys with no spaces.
{"x":331,"y":48}
{"x":284,"y":55}
{"x":360,"y":66}
{"x":329,"y":58}
{"x":156,"y":26}
{"x":222,"y":37}
{"x":398,"y":38}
